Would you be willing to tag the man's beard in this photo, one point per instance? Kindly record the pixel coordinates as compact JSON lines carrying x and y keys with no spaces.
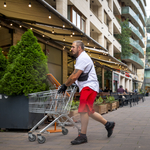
{"x":75,"y":55}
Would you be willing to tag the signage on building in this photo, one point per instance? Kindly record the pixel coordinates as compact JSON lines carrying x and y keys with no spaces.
{"x":127,"y":74}
{"x":116,"y":77}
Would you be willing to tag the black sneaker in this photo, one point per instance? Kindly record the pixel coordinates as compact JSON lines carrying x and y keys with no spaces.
{"x":109,"y":127}
{"x":79,"y":140}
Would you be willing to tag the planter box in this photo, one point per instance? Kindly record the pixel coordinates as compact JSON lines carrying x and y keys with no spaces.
{"x":101,"y":109}
{"x":14,"y":113}
{"x":117,"y":104}
{"x":112,"y":106}
{"x":75,"y":115}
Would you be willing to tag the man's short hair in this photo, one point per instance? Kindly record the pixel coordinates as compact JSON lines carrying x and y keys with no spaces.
{"x":79,"y":43}
{"x":120,"y":86}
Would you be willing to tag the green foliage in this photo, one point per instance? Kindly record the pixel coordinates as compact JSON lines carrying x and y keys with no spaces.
{"x":27,"y":67}
{"x":123,"y":38}
{"x":110,"y":99}
{"x":75,"y":105}
{"x":98,"y":101}
{"x":3,"y":64}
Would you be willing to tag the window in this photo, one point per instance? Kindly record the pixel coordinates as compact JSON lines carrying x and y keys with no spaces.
{"x":106,"y":21}
{"x":78,"y":21}
{"x":76,"y":18}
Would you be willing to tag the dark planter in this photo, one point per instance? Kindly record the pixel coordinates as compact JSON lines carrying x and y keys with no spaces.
{"x":14,"y":113}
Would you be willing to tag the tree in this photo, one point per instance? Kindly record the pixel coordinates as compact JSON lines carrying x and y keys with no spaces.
{"x":124,"y":37}
{"x":27,"y":67}
{"x":3,"y":64}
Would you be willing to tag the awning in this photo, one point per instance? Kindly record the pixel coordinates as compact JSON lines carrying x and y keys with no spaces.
{"x":102,"y":58}
{"x":58,"y":28}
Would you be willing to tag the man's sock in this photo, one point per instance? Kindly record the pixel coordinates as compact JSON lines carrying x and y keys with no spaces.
{"x":107,"y":124}
{"x":81,"y":134}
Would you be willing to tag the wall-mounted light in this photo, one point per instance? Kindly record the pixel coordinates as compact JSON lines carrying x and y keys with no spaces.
{"x":0,"y":26}
{"x":20,"y":26}
{"x":5,"y":4}
{"x":63,"y":26}
{"x":43,"y":35}
{"x":88,"y":43}
{"x":53,"y":31}
{"x":31,"y":28}
{"x":11,"y":24}
{"x":64,"y":39}
{"x":49,"y":16}
{"x":29,"y":4}
{"x":71,"y":35}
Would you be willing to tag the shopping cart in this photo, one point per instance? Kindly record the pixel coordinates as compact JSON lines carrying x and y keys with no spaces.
{"x":53,"y":104}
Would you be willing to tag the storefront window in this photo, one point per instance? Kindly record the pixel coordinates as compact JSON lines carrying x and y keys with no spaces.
{"x":107,"y":79}
{"x":99,"y":75}
{"x":71,"y":63}
{"x":115,"y":82}
{"x":54,"y":56}
{"x":5,"y":39}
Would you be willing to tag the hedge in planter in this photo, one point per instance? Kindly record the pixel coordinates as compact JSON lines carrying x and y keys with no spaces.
{"x":27,"y":67}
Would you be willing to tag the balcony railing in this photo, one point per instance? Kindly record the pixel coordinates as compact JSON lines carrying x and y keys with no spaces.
{"x":129,"y":11}
{"x":139,"y":9}
{"x":136,"y":31}
{"x":136,"y":46}
{"x":135,"y":59}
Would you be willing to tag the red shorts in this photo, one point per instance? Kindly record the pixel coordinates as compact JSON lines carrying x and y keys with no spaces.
{"x":87,"y":98}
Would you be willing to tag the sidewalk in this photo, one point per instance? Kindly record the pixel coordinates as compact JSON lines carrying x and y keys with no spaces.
{"x":132,"y":132}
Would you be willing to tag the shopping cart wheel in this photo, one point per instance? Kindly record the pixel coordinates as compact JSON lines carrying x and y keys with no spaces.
{"x":41,"y":140}
{"x":64,"y":131}
{"x":32,"y":139}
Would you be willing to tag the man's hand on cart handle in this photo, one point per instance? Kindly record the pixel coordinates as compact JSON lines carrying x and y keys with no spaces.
{"x":62,"y":89}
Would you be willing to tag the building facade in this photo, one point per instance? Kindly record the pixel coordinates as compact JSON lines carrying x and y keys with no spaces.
{"x":95,"y":22}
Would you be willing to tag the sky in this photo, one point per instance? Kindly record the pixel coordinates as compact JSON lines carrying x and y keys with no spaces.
{"x":148,"y":8}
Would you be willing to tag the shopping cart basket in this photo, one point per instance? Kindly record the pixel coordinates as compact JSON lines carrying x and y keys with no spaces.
{"x":52,"y":104}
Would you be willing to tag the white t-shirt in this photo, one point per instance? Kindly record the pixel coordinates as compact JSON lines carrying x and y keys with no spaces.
{"x":84,"y":63}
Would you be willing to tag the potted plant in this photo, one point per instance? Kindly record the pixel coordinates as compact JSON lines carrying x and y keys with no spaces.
{"x":111,"y":103}
{"x":25,"y":73}
{"x":74,"y":111}
{"x":100,"y":106}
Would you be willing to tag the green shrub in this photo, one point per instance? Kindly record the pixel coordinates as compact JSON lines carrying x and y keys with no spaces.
{"x":27,"y":67}
{"x":98,"y":101}
{"x":75,"y":105}
{"x":110,"y":99}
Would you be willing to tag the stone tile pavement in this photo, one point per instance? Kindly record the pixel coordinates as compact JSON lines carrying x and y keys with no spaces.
{"x":132,"y":132}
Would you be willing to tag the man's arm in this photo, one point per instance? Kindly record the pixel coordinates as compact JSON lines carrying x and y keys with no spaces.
{"x":73,"y":77}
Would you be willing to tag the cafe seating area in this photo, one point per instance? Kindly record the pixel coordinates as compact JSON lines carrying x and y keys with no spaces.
{"x":131,"y":99}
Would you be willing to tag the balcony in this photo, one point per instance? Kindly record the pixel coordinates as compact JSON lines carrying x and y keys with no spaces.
{"x":136,"y":48}
{"x":136,"y":34}
{"x":143,"y":7}
{"x":135,"y":60}
{"x":137,"y":9}
{"x":127,"y":12}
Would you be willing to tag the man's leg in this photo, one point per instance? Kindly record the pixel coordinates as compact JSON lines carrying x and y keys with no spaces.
{"x":108,"y":125}
{"x":98,"y":117}
{"x":84,"y":117}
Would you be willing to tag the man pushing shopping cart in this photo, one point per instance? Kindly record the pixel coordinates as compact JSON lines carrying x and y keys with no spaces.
{"x":85,"y":77}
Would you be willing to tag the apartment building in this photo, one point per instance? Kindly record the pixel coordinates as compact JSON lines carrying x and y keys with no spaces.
{"x":57,"y":23}
{"x":135,"y":11}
